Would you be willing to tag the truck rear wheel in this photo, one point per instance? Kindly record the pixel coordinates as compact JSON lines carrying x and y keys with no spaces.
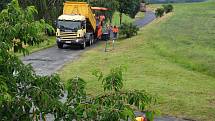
{"x":59,"y":45}
{"x":92,"y":39}
{"x":89,"y":43}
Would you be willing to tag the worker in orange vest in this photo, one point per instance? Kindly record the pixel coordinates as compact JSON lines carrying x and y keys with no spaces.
{"x":102,"y":18}
{"x":115,"y":31}
{"x":99,"y":34}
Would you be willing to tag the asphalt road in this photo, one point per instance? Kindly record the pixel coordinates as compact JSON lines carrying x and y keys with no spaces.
{"x":48,"y":61}
{"x":148,"y":17}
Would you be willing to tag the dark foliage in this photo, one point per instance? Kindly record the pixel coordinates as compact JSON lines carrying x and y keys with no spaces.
{"x":128,"y":29}
{"x":159,"y":12}
{"x":129,"y":7}
{"x":168,"y":8}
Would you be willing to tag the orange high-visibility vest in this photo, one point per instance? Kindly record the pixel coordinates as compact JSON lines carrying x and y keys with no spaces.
{"x":115,"y":30}
{"x":99,"y":34}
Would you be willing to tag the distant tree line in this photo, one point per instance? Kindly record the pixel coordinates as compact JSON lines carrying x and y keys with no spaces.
{"x":51,"y":9}
{"x":47,"y":9}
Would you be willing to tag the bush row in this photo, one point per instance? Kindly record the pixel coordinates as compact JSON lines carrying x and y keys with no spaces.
{"x":159,"y":12}
{"x":128,"y":30}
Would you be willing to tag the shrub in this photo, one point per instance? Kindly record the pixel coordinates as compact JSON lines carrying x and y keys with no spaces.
{"x":168,"y":8}
{"x":128,"y":29}
{"x":159,"y":12}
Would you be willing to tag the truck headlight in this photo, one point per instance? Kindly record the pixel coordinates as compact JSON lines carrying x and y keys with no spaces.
{"x":58,"y":40}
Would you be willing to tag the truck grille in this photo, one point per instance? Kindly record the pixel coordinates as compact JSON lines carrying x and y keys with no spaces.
{"x":65,"y":36}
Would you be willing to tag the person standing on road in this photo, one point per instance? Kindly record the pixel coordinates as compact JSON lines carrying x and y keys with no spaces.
{"x":109,"y":29}
{"x":110,"y":36}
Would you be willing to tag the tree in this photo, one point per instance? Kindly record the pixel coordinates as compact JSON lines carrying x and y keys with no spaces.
{"x":129,"y":7}
{"x":167,"y":8}
{"x":128,"y":29}
{"x":112,"y":4}
{"x":159,"y":12}
{"x":21,"y":90}
{"x":48,"y":10}
{"x":3,"y":4}
{"x":18,"y":27}
{"x":112,"y":105}
{"x":117,"y":103}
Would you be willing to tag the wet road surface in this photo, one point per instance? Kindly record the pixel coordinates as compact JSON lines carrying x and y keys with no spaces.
{"x":48,"y":61}
{"x":149,"y":16}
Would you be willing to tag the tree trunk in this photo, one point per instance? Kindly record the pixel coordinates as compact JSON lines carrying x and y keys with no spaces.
{"x":110,"y":18}
{"x":120,"y":18}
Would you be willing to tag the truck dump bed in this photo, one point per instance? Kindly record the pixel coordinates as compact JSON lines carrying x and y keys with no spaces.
{"x":81,"y":8}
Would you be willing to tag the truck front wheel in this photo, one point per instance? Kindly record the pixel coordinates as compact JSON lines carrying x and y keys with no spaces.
{"x":83,"y":45}
{"x":92,"y":39}
{"x":59,"y":45}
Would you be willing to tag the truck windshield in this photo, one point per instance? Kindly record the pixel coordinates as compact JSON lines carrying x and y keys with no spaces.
{"x":69,"y":25}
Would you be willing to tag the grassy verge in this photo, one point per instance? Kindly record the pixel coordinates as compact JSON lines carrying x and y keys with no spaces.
{"x":46,"y":44}
{"x":140,"y":15}
{"x":173,"y":57}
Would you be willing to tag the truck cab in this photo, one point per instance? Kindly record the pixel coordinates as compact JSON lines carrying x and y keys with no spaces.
{"x":71,"y":29}
{"x":77,"y":25}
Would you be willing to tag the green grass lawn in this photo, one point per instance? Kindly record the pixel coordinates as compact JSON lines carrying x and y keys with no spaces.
{"x":51,"y":41}
{"x":173,"y":58}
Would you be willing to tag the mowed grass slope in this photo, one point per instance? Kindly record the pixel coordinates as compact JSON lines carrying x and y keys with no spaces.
{"x":173,"y":58}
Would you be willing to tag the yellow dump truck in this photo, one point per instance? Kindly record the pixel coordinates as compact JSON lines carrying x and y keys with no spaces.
{"x":77,"y":25}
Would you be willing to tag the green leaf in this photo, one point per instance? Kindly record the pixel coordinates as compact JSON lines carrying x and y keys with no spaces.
{"x":149,"y":116}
